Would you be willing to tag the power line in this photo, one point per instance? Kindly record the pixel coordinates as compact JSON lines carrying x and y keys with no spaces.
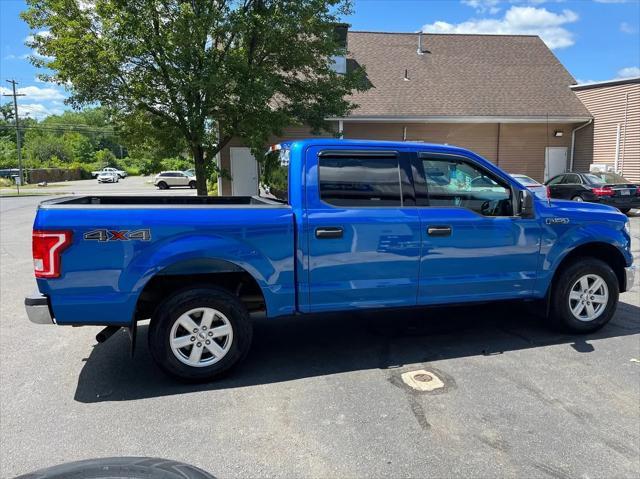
{"x":63,"y":129}
{"x":15,"y":109}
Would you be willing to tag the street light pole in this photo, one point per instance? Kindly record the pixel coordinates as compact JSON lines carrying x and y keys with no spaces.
{"x":18,"y":142}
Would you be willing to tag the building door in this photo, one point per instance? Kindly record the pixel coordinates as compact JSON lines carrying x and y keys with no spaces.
{"x":244,"y":172}
{"x":555,"y":161}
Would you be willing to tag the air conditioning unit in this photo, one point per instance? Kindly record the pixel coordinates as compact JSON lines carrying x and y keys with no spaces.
{"x":600,"y":167}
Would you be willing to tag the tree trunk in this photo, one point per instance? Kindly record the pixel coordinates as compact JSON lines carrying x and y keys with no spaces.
{"x":201,"y":169}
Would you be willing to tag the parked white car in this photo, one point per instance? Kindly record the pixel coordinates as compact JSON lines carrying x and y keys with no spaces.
{"x":108,"y":169}
{"x":170,"y":179}
{"x":108,"y":177}
{"x":538,"y":189}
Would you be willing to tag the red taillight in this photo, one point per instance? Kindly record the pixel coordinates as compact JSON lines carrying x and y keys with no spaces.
{"x":548,"y":192}
{"x":604,"y":191}
{"x":47,"y":247}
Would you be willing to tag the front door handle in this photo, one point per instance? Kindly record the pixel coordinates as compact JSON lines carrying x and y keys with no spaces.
{"x":439,"y":230}
{"x":329,"y":232}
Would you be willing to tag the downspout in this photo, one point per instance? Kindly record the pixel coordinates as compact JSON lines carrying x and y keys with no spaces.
{"x":498,"y":145}
{"x":624,"y":134}
{"x":573,"y":141}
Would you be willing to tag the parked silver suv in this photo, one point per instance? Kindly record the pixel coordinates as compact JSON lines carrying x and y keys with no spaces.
{"x":169,"y":179}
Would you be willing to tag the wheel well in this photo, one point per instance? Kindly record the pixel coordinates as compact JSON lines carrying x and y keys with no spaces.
{"x":602,"y":251}
{"x":238,"y":283}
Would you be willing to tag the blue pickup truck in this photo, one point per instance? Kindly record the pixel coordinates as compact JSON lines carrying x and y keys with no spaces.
{"x":354,"y":225}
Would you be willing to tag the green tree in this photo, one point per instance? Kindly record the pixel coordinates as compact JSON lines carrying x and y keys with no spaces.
{"x":105,"y":158}
{"x":208,"y":70}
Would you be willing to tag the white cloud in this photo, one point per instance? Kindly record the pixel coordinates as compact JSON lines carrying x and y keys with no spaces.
{"x":612,"y":1}
{"x":629,"y":72}
{"x":37,"y":110}
{"x":483,"y":6}
{"x":37,"y":93}
{"x":628,"y":28}
{"x":517,"y":20}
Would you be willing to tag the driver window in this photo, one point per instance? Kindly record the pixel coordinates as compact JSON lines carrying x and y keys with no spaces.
{"x":452,"y":182}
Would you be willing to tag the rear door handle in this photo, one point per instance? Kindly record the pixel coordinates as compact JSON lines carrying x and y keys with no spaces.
{"x":439,"y":230}
{"x":329,"y":232}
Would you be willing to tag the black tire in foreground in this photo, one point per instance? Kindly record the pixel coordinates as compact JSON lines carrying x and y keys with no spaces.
{"x":121,"y":468}
{"x":625,"y":210}
{"x":200,"y":333}
{"x":584,"y":296}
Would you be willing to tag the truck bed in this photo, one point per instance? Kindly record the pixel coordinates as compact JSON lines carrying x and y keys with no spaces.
{"x":121,"y":242}
{"x":162,"y":201}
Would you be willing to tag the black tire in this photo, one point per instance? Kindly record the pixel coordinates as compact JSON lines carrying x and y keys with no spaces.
{"x":192,"y":185}
{"x":121,"y":467}
{"x":577,"y":198}
{"x":168,"y":312}
{"x":163,"y":186}
{"x":625,"y":210}
{"x":561,"y":315}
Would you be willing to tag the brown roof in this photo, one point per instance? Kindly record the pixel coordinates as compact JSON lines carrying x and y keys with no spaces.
{"x":461,"y":75}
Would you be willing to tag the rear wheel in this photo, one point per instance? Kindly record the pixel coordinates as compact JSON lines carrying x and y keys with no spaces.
{"x":585,"y":296}
{"x":577,"y":198}
{"x":625,"y":210}
{"x":199,"y":334}
{"x":163,"y":186}
{"x":192,"y":185}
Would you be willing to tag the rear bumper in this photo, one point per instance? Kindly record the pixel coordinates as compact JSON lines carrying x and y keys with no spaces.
{"x":630,"y":276}
{"x":38,"y":309}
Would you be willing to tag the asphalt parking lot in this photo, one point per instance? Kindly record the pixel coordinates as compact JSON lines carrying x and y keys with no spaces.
{"x":322,"y":397}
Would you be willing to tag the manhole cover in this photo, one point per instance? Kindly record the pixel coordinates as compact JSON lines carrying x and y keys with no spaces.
{"x":422,"y":380}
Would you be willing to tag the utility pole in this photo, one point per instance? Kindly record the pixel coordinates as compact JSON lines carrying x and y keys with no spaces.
{"x":18,"y":143}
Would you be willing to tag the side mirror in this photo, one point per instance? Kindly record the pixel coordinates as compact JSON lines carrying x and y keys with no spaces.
{"x":525,"y":203}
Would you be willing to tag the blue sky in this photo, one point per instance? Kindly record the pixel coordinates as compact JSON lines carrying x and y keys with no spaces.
{"x":594,"y":39}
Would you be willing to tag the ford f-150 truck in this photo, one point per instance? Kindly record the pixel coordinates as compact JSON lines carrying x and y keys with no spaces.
{"x":358,"y":225}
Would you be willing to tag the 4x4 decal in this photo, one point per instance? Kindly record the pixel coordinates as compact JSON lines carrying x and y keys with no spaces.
{"x":115,"y":235}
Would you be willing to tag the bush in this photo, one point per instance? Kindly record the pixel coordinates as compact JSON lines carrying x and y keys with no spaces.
{"x":176,"y":163}
{"x":6,"y":182}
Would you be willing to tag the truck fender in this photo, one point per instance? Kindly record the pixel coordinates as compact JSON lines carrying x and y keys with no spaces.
{"x":193,"y":254}
{"x":562,"y":246}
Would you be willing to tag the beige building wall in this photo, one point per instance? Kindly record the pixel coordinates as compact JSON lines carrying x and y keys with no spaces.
{"x":611,"y":106}
{"x":514,"y":147}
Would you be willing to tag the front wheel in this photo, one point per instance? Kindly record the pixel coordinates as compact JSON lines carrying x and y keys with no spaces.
{"x":584,"y":296}
{"x":162,"y":185}
{"x":199,"y":334}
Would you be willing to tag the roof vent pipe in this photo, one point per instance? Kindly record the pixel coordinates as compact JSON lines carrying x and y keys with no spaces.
{"x":420,"y":52}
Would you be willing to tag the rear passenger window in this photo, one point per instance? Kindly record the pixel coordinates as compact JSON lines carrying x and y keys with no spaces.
{"x":360,"y":180}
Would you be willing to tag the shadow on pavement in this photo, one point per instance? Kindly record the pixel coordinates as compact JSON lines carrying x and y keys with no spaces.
{"x":300,"y":347}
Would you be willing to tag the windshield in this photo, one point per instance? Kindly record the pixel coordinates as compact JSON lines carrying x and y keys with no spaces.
{"x":594,"y":179}
{"x":274,"y":175}
{"x":610,"y":177}
{"x":526,"y":181}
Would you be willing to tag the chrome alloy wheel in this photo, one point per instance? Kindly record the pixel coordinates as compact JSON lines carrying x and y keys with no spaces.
{"x":201,"y":337}
{"x":588,"y":297}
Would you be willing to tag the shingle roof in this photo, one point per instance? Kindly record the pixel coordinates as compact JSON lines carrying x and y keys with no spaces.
{"x":461,"y":75}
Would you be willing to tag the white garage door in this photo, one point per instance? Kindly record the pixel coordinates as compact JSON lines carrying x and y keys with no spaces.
{"x":555,"y":161}
{"x":244,"y":172}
